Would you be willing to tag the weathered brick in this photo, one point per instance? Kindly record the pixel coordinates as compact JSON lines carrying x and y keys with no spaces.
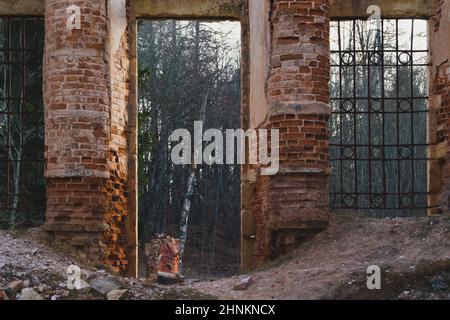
{"x":292,"y":206}
{"x":86,"y":98}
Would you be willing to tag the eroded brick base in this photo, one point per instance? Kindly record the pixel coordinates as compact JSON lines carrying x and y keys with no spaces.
{"x":292,"y":206}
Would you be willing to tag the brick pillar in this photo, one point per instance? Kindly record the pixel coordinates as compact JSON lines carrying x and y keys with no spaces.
{"x":293,"y":205}
{"x":85,"y":98}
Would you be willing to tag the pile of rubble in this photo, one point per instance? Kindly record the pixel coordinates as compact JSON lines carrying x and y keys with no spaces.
{"x":162,"y":256}
{"x":30,"y":270}
{"x":101,"y":286}
{"x":20,"y":284}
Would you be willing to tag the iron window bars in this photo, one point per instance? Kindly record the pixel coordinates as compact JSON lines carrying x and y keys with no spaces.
{"x":378,"y":129}
{"x":22,"y":183}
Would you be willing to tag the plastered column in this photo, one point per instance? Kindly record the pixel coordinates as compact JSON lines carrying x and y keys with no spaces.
{"x":439,"y":105}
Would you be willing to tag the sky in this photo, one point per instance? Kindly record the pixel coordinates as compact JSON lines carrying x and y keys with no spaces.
{"x":232,"y":27}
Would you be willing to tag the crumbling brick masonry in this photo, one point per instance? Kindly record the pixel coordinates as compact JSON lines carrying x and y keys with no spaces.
{"x":293,"y":205}
{"x":86,"y":99}
{"x":90,"y":103}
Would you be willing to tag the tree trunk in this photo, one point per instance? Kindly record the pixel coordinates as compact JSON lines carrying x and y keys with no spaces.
{"x":185,"y":214}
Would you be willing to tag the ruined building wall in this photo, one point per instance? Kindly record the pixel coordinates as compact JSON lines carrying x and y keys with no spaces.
{"x":85,"y":93}
{"x":439,"y":119}
{"x":293,"y":205}
{"x":91,"y":206}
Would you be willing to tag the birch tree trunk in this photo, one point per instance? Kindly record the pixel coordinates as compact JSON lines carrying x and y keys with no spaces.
{"x":15,"y":202}
{"x":188,"y":197}
{"x":17,"y":163}
{"x":185,"y":215}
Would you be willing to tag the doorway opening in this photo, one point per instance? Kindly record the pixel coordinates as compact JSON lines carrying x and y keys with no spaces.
{"x":189,"y":71}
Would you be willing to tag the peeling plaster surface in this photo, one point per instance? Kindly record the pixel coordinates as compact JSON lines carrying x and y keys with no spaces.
{"x":440,"y":48}
{"x":259,"y":60}
{"x":118,"y":22}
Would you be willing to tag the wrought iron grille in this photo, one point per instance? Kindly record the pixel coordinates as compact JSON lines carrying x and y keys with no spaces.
{"x":22,"y":184}
{"x":378,"y":129}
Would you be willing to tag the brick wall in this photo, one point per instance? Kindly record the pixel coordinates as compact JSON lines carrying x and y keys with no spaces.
{"x":85,"y":93}
{"x":293,"y":205}
{"x":439,"y":105}
{"x":86,"y":96}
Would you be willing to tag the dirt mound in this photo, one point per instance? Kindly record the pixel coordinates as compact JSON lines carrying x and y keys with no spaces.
{"x":412,"y":253}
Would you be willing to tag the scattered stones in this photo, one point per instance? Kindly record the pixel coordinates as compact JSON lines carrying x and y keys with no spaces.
{"x":30,"y":294}
{"x":169,"y":278}
{"x":75,"y":280}
{"x":190,"y":282}
{"x":244,"y":284}
{"x":44,"y":275}
{"x":438,"y":283}
{"x":15,"y":286}
{"x":117,"y":295}
{"x":412,"y":295}
{"x":103,"y":285}
{"x":83,"y":286}
{"x":405,"y":295}
{"x":46,"y":278}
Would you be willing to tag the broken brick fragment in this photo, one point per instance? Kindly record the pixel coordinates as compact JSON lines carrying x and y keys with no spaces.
{"x":162,"y":255}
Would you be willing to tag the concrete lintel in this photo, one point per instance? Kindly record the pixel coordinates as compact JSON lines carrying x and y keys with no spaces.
{"x":233,"y":9}
{"x":389,"y":8}
{"x":192,"y":9}
{"x":22,"y":7}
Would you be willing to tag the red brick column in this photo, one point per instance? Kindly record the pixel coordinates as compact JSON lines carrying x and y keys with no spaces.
{"x":85,"y":135}
{"x":293,"y":205}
